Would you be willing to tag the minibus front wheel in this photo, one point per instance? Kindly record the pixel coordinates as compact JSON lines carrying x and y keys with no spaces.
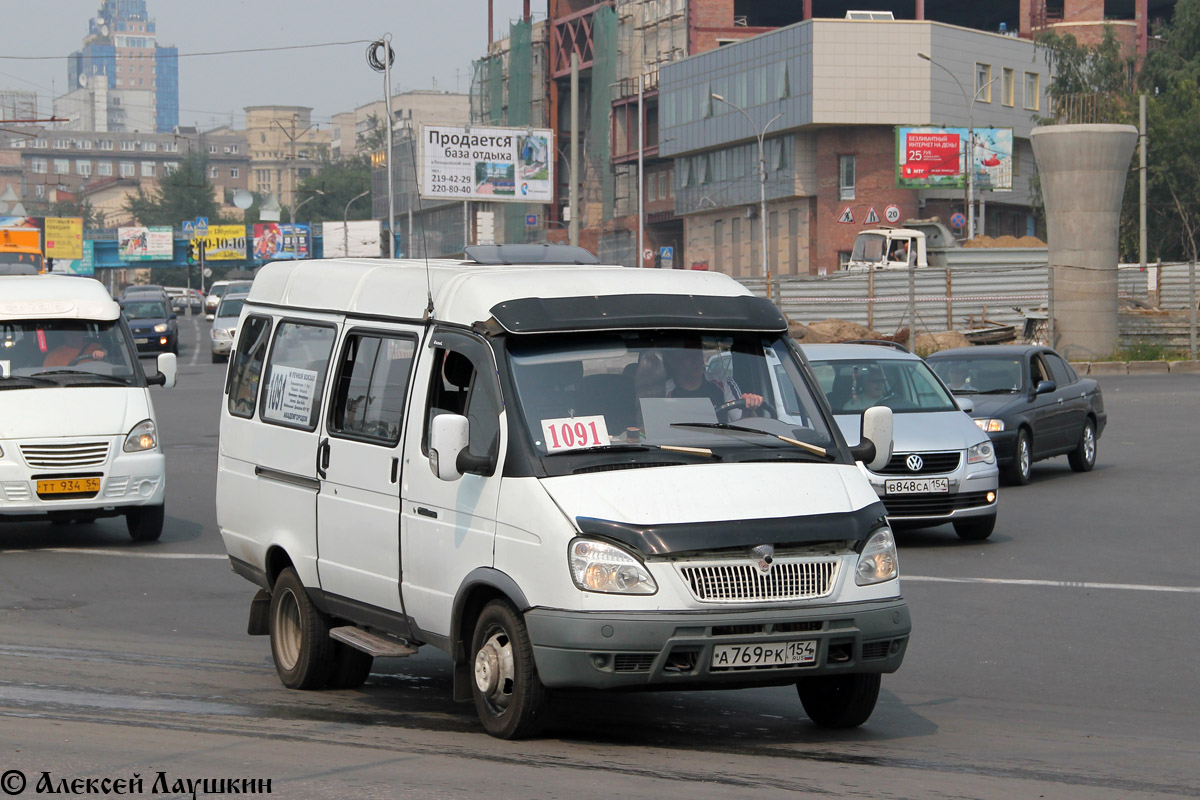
{"x":509,"y":696}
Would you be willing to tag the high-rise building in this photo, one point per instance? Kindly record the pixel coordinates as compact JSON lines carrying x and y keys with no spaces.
{"x":122,"y":79}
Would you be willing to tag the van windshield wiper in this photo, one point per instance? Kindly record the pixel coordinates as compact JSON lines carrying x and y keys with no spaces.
{"x":725,"y":426}
{"x":17,"y":381}
{"x":79,"y":372}
{"x":623,"y":447}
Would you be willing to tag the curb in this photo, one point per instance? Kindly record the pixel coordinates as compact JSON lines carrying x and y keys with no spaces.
{"x":1136,"y":367}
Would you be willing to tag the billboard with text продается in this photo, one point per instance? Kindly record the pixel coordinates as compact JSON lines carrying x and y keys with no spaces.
{"x":494,"y":164}
{"x":932,"y":158}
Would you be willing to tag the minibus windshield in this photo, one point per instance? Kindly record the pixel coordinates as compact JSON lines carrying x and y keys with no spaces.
{"x":65,"y":352}
{"x":728,"y":395}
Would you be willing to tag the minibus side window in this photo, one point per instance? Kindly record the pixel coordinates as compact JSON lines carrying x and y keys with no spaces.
{"x":296,"y":374}
{"x":246,"y":367}
{"x":457,"y":386}
{"x":368,"y":399}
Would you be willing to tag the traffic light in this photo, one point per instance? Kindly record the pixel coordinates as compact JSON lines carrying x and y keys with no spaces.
{"x":192,"y":252}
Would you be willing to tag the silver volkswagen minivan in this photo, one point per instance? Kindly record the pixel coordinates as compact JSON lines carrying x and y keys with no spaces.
{"x":943,"y":468}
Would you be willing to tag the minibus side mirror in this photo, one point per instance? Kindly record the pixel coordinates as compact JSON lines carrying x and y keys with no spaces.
{"x":874,"y":448}
{"x":449,"y":435}
{"x":167,"y":370}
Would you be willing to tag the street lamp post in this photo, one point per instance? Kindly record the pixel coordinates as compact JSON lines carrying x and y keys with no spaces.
{"x":292,"y":213}
{"x":762,"y":181}
{"x":969,"y":160}
{"x":346,"y":224}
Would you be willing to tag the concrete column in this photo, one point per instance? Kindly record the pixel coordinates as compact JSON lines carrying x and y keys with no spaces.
{"x":1083,"y":170}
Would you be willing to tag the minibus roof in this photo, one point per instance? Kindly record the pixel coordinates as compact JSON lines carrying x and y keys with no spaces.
{"x":550,"y":297}
{"x":55,"y":296}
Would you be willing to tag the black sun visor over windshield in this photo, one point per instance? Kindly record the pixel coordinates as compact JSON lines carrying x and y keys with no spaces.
{"x":638,"y":311}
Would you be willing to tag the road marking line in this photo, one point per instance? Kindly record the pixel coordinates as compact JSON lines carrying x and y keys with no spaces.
{"x":195,"y":360}
{"x":92,"y":551}
{"x":1128,"y":587}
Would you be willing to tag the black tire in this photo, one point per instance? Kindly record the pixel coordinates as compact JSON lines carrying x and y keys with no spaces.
{"x":300,"y":642}
{"x":975,"y":528}
{"x":1017,"y":473}
{"x":839,"y":701}
{"x":509,"y":696}
{"x":145,"y":523}
{"x":216,"y":359}
{"x":350,"y":667}
{"x":1083,"y":457}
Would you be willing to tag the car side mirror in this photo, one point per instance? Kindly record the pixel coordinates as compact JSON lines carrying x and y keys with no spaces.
{"x":173,"y":315}
{"x":874,"y":448}
{"x":449,"y":435}
{"x":210,"y":317}
{"x":965,"y":403}
{"x":167,"y":370}
{"x":1045,"y":386}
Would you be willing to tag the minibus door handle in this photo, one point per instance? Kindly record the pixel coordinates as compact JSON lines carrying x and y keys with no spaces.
{"x":322,"y":457}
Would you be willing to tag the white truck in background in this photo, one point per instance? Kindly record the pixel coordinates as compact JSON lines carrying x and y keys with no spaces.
{"x":931,"y":244}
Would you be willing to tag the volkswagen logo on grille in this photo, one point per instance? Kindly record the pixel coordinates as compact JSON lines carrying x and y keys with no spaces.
{"x":914,"y":463}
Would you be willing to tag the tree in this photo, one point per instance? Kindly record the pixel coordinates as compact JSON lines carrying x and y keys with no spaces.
{"x":332,"y":186}
{"x":186,"y":193}
{"x":68,"y":208}
{"x":1099,"y":75}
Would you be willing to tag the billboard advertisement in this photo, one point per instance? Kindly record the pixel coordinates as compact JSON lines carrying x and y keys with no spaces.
{"x":225,"y":243}
{"x":64,"y":237}
{"x":82,"y":266}
{"x":494,"y":164}
{"x":357,"y":239}
{"x":145,"y":244}
{"x":933,"y":158}
{"x":274,"y":241}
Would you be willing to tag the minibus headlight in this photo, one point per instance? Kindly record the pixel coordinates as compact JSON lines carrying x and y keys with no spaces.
{"x":142,"y":437}
{"x":600,"y":567}
{"x":983,"y":453}
{"x":877,"y":562}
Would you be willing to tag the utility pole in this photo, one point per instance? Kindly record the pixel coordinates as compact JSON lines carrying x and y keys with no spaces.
{"x":1142,"y":189}
{"x":292,"y":137}
{"x":573,"y":190}
{"x":641,"y":180}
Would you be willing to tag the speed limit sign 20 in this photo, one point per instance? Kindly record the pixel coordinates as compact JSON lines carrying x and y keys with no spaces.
{"x":892,"y":214}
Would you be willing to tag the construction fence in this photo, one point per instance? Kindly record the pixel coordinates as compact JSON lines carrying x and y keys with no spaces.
{"x":954,"y":298}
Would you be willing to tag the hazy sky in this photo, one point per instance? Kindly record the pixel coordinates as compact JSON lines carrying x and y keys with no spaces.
{"x":434,"y":40}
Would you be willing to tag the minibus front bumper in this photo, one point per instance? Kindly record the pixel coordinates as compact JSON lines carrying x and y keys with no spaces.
{"x":662,"y":650}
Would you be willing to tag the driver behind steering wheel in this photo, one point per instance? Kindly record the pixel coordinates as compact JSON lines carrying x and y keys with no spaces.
{"x":75,"y":348}
{"x":685,"y":368}
{"x":870,"y":388}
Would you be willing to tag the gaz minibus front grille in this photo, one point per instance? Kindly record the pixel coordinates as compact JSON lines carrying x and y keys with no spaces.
{"x":65,"y":456}
{"x":744,"y":582}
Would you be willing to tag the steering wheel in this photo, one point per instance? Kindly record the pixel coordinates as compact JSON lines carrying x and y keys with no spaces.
{"x":90,"y":355}
{"x":724,"y":409}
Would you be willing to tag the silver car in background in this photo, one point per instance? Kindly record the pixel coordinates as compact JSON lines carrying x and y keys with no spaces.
{"x":943,"y":467}
{"x":224,"y":326}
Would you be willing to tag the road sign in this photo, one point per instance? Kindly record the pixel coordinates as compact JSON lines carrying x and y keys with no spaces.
{"x":847,"y":216}
{"x":892,"y":214}
{"x":958,"y":220}
{"x":531,"y":220}
{"x":647,"y":255}
{"x":207,"y":272}
{"x":667,"y":256}
{"x":872,"y":218}
{"x":202,"y":226}
{"x":189,"y":229}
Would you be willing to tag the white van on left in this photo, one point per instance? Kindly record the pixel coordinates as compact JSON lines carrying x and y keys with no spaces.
{"x":78,"y":436}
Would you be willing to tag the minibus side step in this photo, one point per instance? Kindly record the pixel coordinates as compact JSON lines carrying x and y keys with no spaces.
{"x":370,"y":643}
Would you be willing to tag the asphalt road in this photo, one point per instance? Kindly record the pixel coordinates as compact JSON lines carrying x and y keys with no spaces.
{"x":1054,"y":660}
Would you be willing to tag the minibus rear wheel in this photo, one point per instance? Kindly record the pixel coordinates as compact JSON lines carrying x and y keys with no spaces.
{"x":300,"y":642}
{"x":509,"y":696}
{"x":145,"y":523}
{"x":839,"y":701}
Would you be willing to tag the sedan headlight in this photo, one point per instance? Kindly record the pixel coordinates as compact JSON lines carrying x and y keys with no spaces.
{"x":990,"y":425}
{"x":982,"y":453}
{"x":877,"y":562}
{"x":221,"y":333}
{"x":600,"y":567}
{"x":142,"y":437}
{"x":160,"y":327}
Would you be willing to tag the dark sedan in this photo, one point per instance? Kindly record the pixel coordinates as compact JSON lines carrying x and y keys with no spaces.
{"x":1030,"y":401}
{"x":152,"y":323}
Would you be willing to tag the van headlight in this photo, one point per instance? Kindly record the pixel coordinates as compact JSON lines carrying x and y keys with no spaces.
{"x":160,"y":327}
{"x":877,"y":562}
{"x":600,"y":567}
{"x":990,"y":425}
{"x":982,"y":453}
{"x":142,"y":437}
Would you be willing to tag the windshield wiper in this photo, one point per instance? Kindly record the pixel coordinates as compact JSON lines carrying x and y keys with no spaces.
{"x":27,"y":379}
{"x":725,"y":426}
{"x":999,"y":391}
{"x":622,"y":447}
{"x":77,"y":372}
